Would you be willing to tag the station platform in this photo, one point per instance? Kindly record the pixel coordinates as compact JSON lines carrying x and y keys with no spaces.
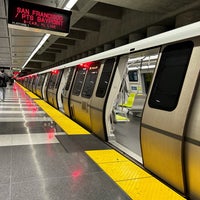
{"x":44,"y":155}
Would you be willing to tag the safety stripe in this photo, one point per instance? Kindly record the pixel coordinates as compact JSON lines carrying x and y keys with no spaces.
{"x":68,"y":125}
{"x":33,"y":96}
{"x":136,"y":182}
{"x":169,"y":134}
{"x":192,"y":141}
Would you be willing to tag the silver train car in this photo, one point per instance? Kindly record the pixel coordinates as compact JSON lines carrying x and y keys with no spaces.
{"x":142,"y":98}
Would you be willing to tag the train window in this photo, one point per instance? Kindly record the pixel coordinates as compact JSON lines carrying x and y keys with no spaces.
{"x":105,"y":77}
{"x":48,"y":79}
{"x":170,"y":76}
{"x":69,"y":78}
{"x":79,"y":81}
{"x":59,"y":74}
{"x":41,"y":79}
{"x":35,"y":79}
{"x":133,"y":76}
{"x":90,"y":80}
{"x":52,"y":81}
{"x":147,"y":81}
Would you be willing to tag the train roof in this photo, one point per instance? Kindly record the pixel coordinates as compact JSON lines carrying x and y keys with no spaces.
{"x":178,"y":34}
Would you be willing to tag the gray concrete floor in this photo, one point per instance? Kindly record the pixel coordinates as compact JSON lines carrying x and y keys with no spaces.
{"x":34,"y":165}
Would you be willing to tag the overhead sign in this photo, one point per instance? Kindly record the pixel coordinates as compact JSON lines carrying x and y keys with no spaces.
{"x":34,"y":17}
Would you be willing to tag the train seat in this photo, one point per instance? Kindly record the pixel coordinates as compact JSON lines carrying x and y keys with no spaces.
{"x":129,"y":102}
{"x":138,"y":104}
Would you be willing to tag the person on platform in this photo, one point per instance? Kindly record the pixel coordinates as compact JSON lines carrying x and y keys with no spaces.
{"x":3,"y":83}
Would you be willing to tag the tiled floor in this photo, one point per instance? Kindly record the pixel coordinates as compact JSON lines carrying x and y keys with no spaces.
{"x":35,"y":166}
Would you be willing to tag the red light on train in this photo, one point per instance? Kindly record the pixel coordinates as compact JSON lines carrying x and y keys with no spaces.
{"x":85,"y":65}
{"x":55,"y":71}
{"x":81,"y":65}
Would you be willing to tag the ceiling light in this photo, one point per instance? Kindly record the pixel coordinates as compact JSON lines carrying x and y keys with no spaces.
{"x":44,"y":39}
{"x":70,"y":4}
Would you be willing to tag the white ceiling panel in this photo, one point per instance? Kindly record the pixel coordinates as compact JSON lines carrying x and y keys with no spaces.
{"x":20,"y":54}
{"x":22,"y":49}
{"x":3,"y":28}
{"x":4,"y":42}
{"x":2,"y":8}
{"x":4,"y":56}
{"x":25,"y":41}
{"x":5,"y":51}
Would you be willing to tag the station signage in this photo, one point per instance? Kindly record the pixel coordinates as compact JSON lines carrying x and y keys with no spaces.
{"x":34,"y":17}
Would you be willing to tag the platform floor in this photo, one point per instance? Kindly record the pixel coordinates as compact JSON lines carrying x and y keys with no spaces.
{"x":46,"y":156}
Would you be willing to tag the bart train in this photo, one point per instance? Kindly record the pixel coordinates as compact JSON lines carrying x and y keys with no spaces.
{"x":143,"y":98}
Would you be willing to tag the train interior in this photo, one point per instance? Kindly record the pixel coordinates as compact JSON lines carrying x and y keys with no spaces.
{"x":128,"y":106}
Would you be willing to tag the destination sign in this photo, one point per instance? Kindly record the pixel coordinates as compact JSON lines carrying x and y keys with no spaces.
{"x":34,"y":17}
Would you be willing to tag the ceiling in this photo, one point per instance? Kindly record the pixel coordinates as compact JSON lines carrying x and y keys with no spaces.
{"x":96,"y":26}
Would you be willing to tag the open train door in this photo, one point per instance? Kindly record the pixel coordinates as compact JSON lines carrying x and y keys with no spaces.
{"x":166,"y":110}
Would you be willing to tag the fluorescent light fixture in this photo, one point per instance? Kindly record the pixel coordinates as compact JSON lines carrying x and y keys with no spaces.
{"x":148,"y":67}
{"x":143,"y":58}
{"x":143,"y":67}
{"x":136,"y":59}
{"x":44,"y":39}
{"x":153,"y":57}
{"x":132,"y":68}
{"x":70,"y":4}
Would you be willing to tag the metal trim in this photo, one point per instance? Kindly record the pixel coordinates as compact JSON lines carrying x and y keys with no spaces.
{"x":163,"y":132}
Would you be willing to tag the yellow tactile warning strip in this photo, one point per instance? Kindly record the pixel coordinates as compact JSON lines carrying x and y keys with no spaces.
{"x":137,"y":183}
{"x":33,"y":96}
{"x":70,"y":127}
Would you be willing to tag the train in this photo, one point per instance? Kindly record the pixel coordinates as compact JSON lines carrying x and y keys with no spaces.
{"x":142,"y":98}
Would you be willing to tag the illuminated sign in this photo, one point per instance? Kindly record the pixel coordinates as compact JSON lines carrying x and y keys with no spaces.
{"x":28,"y":16}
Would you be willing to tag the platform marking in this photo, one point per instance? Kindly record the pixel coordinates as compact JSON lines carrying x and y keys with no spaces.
{"x":33,"y":96}
{"x":68,"y":125}
{"x":28,"y":139}
{"x":136,"y":182}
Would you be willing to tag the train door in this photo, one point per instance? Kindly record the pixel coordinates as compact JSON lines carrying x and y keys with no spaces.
{"x":99,"y":98}
{"x":68,"y":77}
{"x":166,"y":110}
{"x":34,"y":84}
{"x":52,"y":88}
{"x":40,"y":85}
{"x":26,"y":82}
{"x":63,"y":89}
{"x":192,"y":146}
{"x":82,"y":92}
{"x":46,"y":82}
{"x":58,"y":90}
{"x":30,"y":80}
{"x":126,"y":101}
